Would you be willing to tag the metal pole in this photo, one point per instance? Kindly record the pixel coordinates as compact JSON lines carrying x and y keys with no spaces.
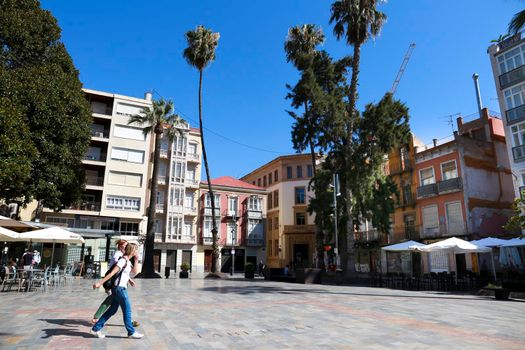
{"x":233,"y":245}
{"x":475,"y":76}
{"x":336,"y":189}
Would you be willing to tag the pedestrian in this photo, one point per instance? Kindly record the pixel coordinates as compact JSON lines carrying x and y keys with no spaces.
{"x":122,"y":269}
{"x":36,"y":258}
{"x":286,"y":270}
{"x":121,"y":248}
{"x":27,"y":258}
{"x":260,"y":268}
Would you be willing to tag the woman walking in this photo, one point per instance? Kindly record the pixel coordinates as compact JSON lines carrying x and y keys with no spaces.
{"x":122,"y":270}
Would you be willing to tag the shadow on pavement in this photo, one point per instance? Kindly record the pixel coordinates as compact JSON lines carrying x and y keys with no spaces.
{"x":67,"y":322}
{"x":53,"y":332}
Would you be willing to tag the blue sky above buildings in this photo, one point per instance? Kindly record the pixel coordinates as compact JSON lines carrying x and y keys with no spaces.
{"x":134,"y":46}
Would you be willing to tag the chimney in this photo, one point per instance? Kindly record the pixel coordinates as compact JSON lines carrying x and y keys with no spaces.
{"x":148,"y":96}
{"x":435,"y":142}
{"x":475,"y":76}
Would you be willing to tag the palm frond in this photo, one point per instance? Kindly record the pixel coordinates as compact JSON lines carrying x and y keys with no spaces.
{"x":517,"y":23}
{"x":202,"y":43}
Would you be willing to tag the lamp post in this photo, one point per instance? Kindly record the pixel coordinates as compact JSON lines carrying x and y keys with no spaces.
{"x":234,"y":220}
{"x":336,"y":193}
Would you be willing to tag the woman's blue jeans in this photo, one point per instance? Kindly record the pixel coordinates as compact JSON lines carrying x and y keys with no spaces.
{"x":120,"y":298}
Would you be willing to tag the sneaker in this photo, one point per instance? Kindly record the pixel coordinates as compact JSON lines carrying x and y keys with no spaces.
{"x":98,"y":334}
{"x":136,"y":335}
{"x":135,"y":323}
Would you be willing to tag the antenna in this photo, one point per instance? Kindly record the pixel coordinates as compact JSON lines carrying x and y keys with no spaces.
{"x":411,"y":48}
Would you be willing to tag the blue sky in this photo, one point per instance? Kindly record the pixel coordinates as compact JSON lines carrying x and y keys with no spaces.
{"x":129,"y":47}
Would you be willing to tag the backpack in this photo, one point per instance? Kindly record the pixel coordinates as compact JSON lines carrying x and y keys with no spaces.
{"x":115,"y":280}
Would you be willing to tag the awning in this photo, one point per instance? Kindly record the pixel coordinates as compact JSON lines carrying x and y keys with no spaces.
{"x":489,"y":242}
{"x":403,"y":246}
{"x":8,"y":235}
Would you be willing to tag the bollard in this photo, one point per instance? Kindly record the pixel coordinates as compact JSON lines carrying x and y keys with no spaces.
{"x":167,"y":271}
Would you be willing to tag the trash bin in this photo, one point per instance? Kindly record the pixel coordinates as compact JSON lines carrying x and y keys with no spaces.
{"x":167,"y":271}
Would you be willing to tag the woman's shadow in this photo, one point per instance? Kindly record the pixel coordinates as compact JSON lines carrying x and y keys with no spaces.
{"x":72,"y":331}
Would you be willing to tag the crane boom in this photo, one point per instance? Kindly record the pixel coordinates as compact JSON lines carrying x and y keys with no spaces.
{"x":402,"y":68}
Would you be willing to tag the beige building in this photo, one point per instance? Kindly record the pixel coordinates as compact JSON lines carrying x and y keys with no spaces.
{"x":290,"y":230}
{"x":177,"y":202}
{"x":117,"y":165}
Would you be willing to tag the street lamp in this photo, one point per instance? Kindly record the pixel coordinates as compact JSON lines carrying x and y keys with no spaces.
{"x":234,"y":226}
{"x":336,"y":193}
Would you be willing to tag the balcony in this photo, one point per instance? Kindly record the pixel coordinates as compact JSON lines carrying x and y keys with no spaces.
{"x":254,"y":214}
{"x":190,"y":211}
{"x":94,"y":180}
{"x":164,"y":153}
{"x":207,"y":240}
{"x":159,"y":236}
{"x":88,"y":206}
{"x":101,"y":109}
{"x":207,"y":212}
{"x":405,"y":232}
{"x":95,"y":157}
{"x":516,"y":114}
{"x":366,"y":236}
{"x":162,"y":180}
{"x":396,"y":168}
{"x":443,"y":230}
{"x":100,"y":134}
{"x":159,"y":208}
{"x":518,"y":152}
{"x":191,"y":183}
{"x":512,"y":77}
{"x":427,"y":191}
{"x":178,"y":238}
{"x":254,"y":242}
{"x":231,"y":213}
{"x":193,"y":157}
{"x":450,"y":185}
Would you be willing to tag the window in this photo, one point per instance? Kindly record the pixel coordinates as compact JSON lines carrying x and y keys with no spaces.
{"x":129,"y":228}
{"x":160,"y":197}
{"x":259,"y":182}
{"x":190,"y":174}
{"x":253,"y":182}
{"x":449,"y":170}
{"x":276,"y":242}
{"x":264,"y":181}
{"x":123,"y":203}
{"x":407,"y":194}
{"x":276,"y":199}
{"x":61,"y":221}
{"x":217,"y":201}
{"x":299,"y":171}
{"x":455,"y":223}
{"x":299,"y":195}
{"x":109,"y":225}
{"x":125,"y":179}
{"x":231,"y":235}
{"x":189,"y":200}
{"x":511,"y":59}
{"x":427,"y":176}
{"x":309,"y":171}
{"x":255,"y":229}
{"x":518,"y":134}
{"x":174,"y":227}
{"x":188,"y":229}
{"x":276,"y":175}
{"x":269,"y":201}
{"x":207,"y":228}
{"x":288,"y":172}
{"x":514,"y":97}
{"x":405,"y":160}
{"x":276,"y":223}
{"x":255,"y":203}
{"x":270,"y":180}
{"x":179,"y":146}
{"x":270,"y":252}
{"x":178,"y":171}
{"x":128,"y":110}
{"x":129,"y":132}
{"x":127,"y":155}
{"x":192,"y":148}
{"x":430,"y":220}
{"x":270,"y":227}
{"x":159,"y":226}
{"x":176,"y":196}
{"x":300,"y":219}
{"x":232,"y":204}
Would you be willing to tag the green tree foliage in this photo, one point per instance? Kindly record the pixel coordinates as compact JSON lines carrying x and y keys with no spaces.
{"x":517,"y":23}
{"x":158,"y":120}
{"x":202,"y":43}
{"x":516,"y":222}
{"x":40,"y":90}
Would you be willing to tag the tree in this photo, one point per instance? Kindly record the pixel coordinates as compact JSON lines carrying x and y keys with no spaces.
{"x":40,"y":91}
{"x":517,"y":23}
{"x":157,"y":119}
{"x":200,"y":52}
{"x":516,"y":222}
{"x":356,"y":21}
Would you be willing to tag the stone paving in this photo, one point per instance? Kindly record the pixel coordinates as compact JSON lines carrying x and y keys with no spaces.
{"x":239,"y":314}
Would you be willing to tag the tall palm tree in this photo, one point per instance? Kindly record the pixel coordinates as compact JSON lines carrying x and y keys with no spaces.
{"x":158,"y":120}
{"x":517,"y":23}
{"x":200,"y":52}
{"x":356,"y":21}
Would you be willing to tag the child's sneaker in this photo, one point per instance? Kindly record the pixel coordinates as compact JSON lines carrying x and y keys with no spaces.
{"x":98,"y":334}
{"x":136,"y":335}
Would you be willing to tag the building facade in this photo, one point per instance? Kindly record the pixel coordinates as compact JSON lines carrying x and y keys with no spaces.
{"x":240,"y":217}
{"x":290,"y":229}
{"x":117,"y":165}
{"x":508,"y":66}
{"x":177,"y":201}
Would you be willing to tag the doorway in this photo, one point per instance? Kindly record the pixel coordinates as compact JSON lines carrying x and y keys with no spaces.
{"x":186,"y":257}
{"x":208,"y":256}
{"x":171,"y":260}
{"x":156,"y":260}
{"x":461,"y":265}
{"x":300,"y":255}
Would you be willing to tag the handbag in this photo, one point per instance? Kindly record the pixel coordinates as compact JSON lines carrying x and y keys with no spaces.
{"x":115,"y":279}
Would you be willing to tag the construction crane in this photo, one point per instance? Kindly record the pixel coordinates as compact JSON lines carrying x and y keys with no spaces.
{"x":402,"y":68}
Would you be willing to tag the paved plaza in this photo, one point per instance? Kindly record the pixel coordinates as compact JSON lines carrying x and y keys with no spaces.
{"x":238,"y":314}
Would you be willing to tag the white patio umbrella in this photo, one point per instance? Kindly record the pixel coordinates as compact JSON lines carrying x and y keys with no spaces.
{"x":457,"y":246}
{"x":53,"y":235}
{"x":489,"y":242}
{"x":403,"y":246}
{"x":8,"y":235}
{"x":515,"y":242}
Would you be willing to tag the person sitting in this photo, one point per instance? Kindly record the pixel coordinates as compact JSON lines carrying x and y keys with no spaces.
{"x":286,"y":270}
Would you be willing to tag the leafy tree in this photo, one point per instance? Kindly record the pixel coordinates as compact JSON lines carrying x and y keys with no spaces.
{"x":200,"y":52}
{"x":40,"y":92}
{"x":517,"y":23}
{"x":156,"y":119}
{"x":516,"y":222}
{"x":356,"y":21}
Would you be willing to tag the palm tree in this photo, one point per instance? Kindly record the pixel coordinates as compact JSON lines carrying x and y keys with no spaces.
{"x":157,"y":119}
{"x":517,"y":23}
{"x":356,"y":21}
{"x":200,"y":52}
{"x":301,"y":41}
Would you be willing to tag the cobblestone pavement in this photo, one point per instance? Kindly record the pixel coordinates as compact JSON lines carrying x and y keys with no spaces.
{"x":239,"y":314}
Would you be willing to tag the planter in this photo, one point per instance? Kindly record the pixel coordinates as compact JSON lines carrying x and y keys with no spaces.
{"x":249,"y":275}
{"x":183,"y":274}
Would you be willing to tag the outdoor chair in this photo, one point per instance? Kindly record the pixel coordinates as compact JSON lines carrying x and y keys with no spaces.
{"x":67,"y":274}
{"x":10,"y":279}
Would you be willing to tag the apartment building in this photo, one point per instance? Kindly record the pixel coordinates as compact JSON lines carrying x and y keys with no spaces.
{"x":177,"y":201}
{"x":117,"y":165}
{"x":508,"y":66}
{"x":465,"y":184}
{"x":290,"y":229}
{"x":240,"y":217}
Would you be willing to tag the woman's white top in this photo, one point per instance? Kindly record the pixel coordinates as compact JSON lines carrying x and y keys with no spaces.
{"x":124,"y":277}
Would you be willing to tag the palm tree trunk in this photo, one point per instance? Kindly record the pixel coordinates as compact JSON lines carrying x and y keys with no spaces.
{"x":148,"y":270}
{"x":348,"y":239}
{"x":214,"y":247}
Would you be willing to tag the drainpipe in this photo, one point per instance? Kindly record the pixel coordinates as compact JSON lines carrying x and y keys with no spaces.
{"x":475,"y":76}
